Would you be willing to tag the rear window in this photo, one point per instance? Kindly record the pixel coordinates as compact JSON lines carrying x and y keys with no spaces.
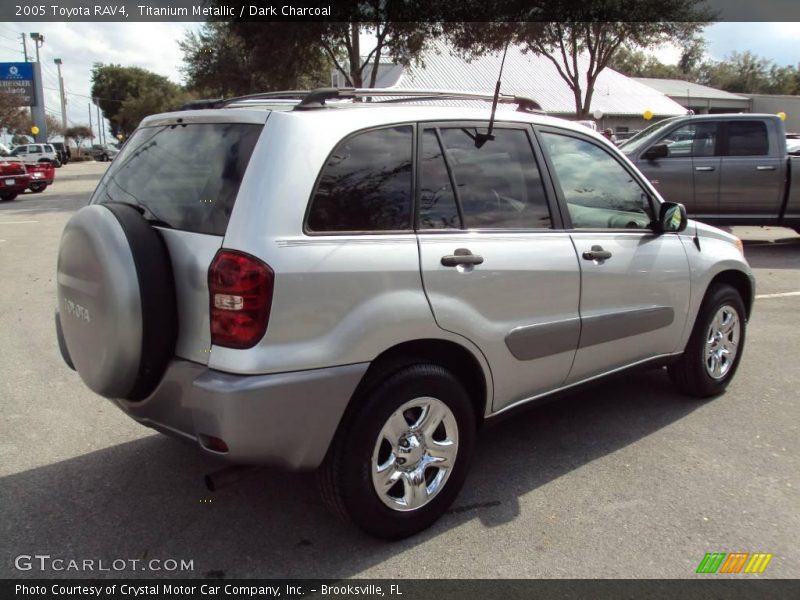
{"x":183,"y":176}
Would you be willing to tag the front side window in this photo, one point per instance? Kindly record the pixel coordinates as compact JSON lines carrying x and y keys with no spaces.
{"x":498,"y":185}
{"x":366,"y":184}
{"x":747,"y":138}
{"x":19,"y":150}
{"x":600,"y":193}
{"x":696,"y":139}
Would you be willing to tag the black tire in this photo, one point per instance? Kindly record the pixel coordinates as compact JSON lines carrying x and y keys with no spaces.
{"x":38,"y":187}
{"x":690,"y":373}
{"x":345,"y":477}
{"x":8,"y":196}
{"x":104,"y":158}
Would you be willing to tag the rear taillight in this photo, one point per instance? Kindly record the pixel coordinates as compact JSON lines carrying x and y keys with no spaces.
{"x":241,"y":287}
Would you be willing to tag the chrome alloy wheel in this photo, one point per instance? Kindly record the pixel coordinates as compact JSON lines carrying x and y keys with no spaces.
{"x":722,"y":342}
{"x":414,"y":454}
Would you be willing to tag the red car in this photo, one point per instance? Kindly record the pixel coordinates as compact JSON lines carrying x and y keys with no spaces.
{"x":42,"y":174}
{"x":14,"y":179}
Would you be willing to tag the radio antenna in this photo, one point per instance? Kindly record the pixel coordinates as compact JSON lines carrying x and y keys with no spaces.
{"x":482,"y":138}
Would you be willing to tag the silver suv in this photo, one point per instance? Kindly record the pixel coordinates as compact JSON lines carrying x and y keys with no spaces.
{"x":355,"y":287}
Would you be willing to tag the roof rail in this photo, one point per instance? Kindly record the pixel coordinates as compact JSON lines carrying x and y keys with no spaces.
{"x":315,"y":99}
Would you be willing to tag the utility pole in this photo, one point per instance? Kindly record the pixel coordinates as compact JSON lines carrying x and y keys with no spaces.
{"x":99,"y":124}
{"x":61,"y":91}
{"x":24,"y":46}
{"x":90,"y":118}
{"x":37,"y":110}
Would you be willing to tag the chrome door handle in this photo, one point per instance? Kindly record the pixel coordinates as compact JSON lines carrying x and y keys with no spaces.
{"x":462,"y":256}
{"x":765,"y":168}
{"x":596,"y":253}
{"x":704,"y":168}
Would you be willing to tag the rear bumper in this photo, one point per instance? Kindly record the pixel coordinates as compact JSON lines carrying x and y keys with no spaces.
{"x":285,"y":419}
{"x":21,"y":183}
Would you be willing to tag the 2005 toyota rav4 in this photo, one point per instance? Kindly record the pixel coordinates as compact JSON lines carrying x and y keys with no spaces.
{"x":357,"y":286}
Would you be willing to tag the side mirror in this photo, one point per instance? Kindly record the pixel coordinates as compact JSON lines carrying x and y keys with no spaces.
{"x":672,"y":217}
{"x":656,"y":152}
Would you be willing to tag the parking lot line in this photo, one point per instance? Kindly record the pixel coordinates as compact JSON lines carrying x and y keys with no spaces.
{"x":16,"y":222}
{"x":781,"y":295}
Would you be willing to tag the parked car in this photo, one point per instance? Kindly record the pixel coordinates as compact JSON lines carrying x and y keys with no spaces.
{"x":793,"y":147}
{"x":356,"y":288}
{"x":36,"y":153}
{"x":42,"y":174}
{"x":64,"y":152}
{"x":14,"y":179}
{"x":730,"y":169}
{"x":103,"y":153}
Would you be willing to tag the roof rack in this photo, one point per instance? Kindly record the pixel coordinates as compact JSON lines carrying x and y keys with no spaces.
{"x":315,"y":99}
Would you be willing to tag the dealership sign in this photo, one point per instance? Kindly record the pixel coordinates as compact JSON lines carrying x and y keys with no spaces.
{"x":16,"y":80}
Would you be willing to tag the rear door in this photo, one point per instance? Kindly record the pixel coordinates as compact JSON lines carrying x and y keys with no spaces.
{"x":752,"y":170}
{"x":634,"y":282}
{"x":184,"y":178}
{"x":496,"y":267}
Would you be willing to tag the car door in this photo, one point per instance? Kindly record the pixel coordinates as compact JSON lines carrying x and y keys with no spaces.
{"x":634,"y":281}
{"x":751,"y":171}
{"x":496,"y":266}
{"x":690,"y":172}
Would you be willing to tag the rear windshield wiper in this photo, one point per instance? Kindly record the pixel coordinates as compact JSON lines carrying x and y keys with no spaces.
{"x":153,"y":220}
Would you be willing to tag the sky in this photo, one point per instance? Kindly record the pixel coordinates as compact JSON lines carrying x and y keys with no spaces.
{"x":154,"y":46}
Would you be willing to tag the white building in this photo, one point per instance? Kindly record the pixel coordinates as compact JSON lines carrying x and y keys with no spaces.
{"x":619,"y":100}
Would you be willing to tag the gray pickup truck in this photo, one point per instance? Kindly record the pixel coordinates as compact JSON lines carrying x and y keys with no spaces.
{"x":728,"y":169}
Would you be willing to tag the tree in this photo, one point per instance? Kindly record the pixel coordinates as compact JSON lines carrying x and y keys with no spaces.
{"x":54,"y":128}
{"x":114,"y":85}
{"x":245,"y":57}
{"x":12,"y":116}
{"x":585,"y":40}
{"x":226,"y":59}
{"x":79,"y":133}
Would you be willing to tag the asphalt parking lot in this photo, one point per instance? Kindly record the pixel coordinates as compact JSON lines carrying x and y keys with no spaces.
{"x":625,"y":480}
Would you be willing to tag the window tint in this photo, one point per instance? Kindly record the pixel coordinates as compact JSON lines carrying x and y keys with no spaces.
{"x":498,"y":185}
{"x":599,"y":192}
{"x":747,"y":138}
{"x":437,"y":203}
{"x":187,"y":176}
{"x":696,"y":139}
{"x":366,"y":184}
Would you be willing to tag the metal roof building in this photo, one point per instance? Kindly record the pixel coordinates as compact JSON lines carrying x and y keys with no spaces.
{"x":621,"y":99}
{"x":699,"y":98}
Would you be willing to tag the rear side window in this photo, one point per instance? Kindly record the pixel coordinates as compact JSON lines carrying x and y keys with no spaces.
{"x":498,"y":185}
{"x":437,"y":202}
{"x":365,"y":185}
{"x":185,"y":176}
{"x":747,"y":138}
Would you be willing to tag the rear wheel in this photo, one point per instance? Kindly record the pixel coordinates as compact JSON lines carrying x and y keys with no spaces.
{"x":715,"y":347}
{"x":38,"y":187}
{"x":8,"y":196}
{"x":399,"y":460}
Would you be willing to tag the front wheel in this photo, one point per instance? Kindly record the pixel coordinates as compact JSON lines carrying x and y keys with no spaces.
{"x":400,"y":458}
{"x":37,"y":187}
{"x":715,"y":347}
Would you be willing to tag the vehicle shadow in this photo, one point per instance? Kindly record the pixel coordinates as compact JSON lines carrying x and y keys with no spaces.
{"x":145,"y":499}
{"x":780,"y":253}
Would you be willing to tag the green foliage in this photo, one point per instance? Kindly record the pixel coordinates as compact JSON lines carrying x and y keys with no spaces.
{"x":595,"y":28}
{"x":738,"y":73}
{"x":13,"y":117}
{"x":128,"y":94}
{"x":78,"y":133}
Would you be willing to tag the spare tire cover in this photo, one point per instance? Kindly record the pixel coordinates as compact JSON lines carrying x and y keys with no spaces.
{"x":116,"y":297}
